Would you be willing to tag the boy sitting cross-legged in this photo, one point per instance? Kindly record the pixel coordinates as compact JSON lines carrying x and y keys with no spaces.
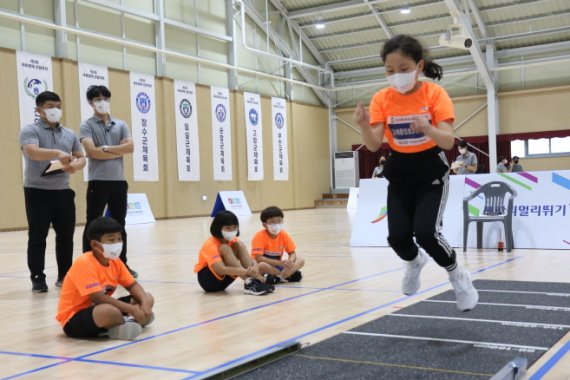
{"x":86,"y":308}
{"x":269,"y":244}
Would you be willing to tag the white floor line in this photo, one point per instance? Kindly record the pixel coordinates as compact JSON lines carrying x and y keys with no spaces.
{"x":510,"y":323}
{"x":540,"y":307}
{"x":448,"y":340}
{"x":554,"y":294}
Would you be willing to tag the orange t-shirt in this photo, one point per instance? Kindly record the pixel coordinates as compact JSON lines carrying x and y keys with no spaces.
{"x":87,"y":276}
{"x":210,"y":254}
{"x":263,"y":244}
{"x":396,"y":111}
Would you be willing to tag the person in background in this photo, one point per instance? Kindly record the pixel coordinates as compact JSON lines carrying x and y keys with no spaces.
{"x":503,"y":165}
{"x":49,"y":200}
{"x":377,"y":173}
{"x":416,"y":119}
{"x":106,"y":141}
{"x":466,"y":162}
{"x":516,"y":167}
{"x":223,"y":258}
{"x":269,"y":244}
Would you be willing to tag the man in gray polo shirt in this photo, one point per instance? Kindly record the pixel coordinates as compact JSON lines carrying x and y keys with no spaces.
{"x":49,"y":200}
{"x":466,"y":162}
{"x":106,"y":140}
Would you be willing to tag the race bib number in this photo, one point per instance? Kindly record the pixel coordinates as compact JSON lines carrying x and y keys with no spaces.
{"x":404,"y":135}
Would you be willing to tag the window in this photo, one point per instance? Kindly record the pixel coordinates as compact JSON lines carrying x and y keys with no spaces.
{"x":518,"y":148}
{"x":539,"y":146}
{"x":555,"y":146}
{"x":560,"y":145}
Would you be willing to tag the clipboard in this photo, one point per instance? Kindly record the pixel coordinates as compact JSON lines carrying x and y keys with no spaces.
{"x":54,"y":167}
{"x":456,"y":165}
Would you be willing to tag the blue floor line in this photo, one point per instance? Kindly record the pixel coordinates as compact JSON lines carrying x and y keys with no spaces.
{"x":205,"y":322}
{"x":551,"y":362}
{"x":248,"y":357}
{"x":197,"y":373}
{"x":35,"y":370}
{"x":42,"y":356}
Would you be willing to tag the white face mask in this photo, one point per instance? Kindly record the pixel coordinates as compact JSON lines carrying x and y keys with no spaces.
{"x":53,"y":115}
{"x":112,"y":251}
{"x":403,"y":82}
{"x":462,"y":150}
{"x":274,"y":229}
{"x":229,"y":235}
{"x":102,"y":106}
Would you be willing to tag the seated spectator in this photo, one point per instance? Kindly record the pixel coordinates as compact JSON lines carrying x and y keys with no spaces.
{"x":516,"y":167}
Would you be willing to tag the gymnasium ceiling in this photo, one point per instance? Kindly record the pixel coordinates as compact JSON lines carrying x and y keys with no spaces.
{"x":523,"y":34}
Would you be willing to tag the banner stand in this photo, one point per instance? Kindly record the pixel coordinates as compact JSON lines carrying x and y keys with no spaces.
{"x":138,"y":210}
{"x":233,"y":201}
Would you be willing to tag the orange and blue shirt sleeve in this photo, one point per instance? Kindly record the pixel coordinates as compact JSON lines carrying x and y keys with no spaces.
{"x":85,"y":277}
{"x":441,"y":106}
{"x":258,"y":243}
{"x":125,"y":278}
{"x":210,"y":253}
{"x":288,"y":243}
{"x":376,"y":108}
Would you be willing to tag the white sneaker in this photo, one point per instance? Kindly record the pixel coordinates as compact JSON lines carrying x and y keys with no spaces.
{"x":465,"y":293}
{"x":411,"y":281}
{"x":127,"y":331}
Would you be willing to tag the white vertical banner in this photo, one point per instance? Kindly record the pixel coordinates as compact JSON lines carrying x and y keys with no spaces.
{"x":34,"y":74}
{"x":143,"y":116}
{"x":253,"y":131}
{"x":221,"y":134}
{"x":90,"y":75}
{"x":187,"y":142}
{"x":280,"y":146}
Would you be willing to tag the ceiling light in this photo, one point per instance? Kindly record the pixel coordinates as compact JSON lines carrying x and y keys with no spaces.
{"x":320,"y":25}
{"x":405,"y":11}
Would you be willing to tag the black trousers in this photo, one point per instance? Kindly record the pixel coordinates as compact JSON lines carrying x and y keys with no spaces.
{"x":417,"y":194}
{"x":110,"y":194}
{"x":45,"y":207}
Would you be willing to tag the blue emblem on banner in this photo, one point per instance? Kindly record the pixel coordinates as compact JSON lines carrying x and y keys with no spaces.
{"x":253,"y":117}
{"x":143,"y":102}
{"x":279,"y":120}
{"x":221,"y":113}
{"x":34,"y":86}
{"x":185,"y":108}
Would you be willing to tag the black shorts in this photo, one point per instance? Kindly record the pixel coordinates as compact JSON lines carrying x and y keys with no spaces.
{"x":210,"y":283}
{"x":82,"y":325}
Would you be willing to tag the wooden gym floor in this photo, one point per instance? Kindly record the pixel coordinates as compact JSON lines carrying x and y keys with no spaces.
{"x":195,"y":334}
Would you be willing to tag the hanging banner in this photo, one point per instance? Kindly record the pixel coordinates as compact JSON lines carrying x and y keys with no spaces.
{"x":143,"y":116}
{"x":34,"y":74}
{"x":221,"y":134}
{"x":280,"y":147}
{"x":253,"y":130}
{"x":187,"y":142}
{"x":89,"y":75}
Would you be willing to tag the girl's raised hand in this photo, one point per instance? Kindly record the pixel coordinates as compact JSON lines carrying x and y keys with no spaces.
{"x":361,"y":116}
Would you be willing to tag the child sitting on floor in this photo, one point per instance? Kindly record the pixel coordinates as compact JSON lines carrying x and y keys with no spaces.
{"x":86,"y":308}
{"x":223,"y":257}
{"x":269,"y":244}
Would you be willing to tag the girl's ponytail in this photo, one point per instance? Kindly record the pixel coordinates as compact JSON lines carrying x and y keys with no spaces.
{"x":432,"y":70}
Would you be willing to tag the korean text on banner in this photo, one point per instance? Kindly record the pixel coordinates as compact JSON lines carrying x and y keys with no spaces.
{"x":143,"y":112}
{"x":280,"y":147}
{"x":187,"y":142}
{"x":253,"y":130}
{"x":34,"y":77}
{"x":221,"y":134}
